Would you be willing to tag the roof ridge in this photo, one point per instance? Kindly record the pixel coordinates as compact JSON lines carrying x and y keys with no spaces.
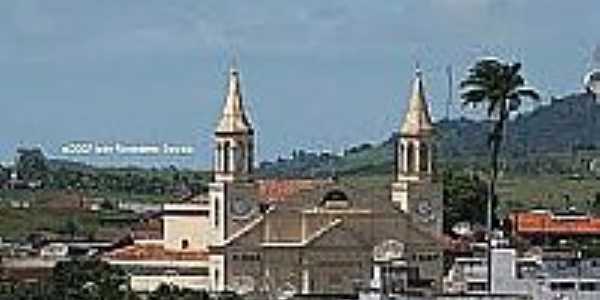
{"x":246,"y":228}
{"x":317,"y":234}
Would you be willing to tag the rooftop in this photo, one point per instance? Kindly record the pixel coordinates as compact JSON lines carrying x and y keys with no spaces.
{"x":550,"y":223}
{"x":155,"y":252}
{"x":278,"y":190}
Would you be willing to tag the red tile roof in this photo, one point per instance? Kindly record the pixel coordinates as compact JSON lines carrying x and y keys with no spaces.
{"x":277,"y":190}
{"x":154,"y":252}
{"x":548,"y":223}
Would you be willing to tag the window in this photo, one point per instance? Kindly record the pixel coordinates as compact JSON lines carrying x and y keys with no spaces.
{"x":589,"y":286}
{"x":217,"y":213}
{"x":423,"y":158}
{"x":246,"y":256}
{"x":240,"y":159}
{"x":250,"y":156}
{"x":251,"y":256}
{"x":427,"y":257}
{"x":401,"y":158}
{"x":226,"y":160}
{"x":410,"y":158}
{"x":218,"y":157}
{"x":562,"y":286}
{"x":476,"y":286}
{"x":185,"y":244}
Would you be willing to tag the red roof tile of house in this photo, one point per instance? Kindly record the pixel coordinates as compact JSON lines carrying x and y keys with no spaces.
{"x":548,"y":223}
{"x":277,"y":190}
{"x":154,"y":252}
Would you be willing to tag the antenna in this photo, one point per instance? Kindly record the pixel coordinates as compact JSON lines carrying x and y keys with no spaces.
{"x":595,"y":61}
{"x":450,"y":91}
{"x":235,"y":61}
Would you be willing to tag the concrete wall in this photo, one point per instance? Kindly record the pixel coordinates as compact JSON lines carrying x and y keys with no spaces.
{"x":194,"y":227}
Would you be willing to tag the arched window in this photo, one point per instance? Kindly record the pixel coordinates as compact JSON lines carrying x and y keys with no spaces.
{"x":226,"y":160}
{"x":240,"y":160}
{"x":216,"y":212}
{"x":250,"y":156}
{"x":218,"y":157}
{"x":410,"y":157}
{"x":401,"y":151}
{"x":335,"y":199}
{"x":424,"y":158}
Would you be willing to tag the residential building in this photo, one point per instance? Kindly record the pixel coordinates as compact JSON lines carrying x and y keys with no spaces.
{"x":544,"y":227}
{"x":540,"y":276}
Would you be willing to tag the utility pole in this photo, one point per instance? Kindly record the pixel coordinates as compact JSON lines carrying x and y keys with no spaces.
{"x":450,"y":91}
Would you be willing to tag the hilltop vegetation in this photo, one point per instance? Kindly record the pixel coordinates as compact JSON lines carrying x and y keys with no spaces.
{"x":75,"y":200}
{"x":553,"y":152}
{"x":33,"y":169}
{"x":548,"y":140}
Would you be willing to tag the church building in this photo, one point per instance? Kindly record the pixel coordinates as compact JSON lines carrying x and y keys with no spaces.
{"x":285,"y":237}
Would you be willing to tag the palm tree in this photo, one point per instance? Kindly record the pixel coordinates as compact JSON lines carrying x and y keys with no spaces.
{"x":501,"y":88}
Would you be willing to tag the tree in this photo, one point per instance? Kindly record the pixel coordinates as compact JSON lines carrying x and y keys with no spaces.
{"x":32,"y":164}
{"x":88,"y":279}
{"x":173,"y":292}
{"x":464,"y":199}
{"x":72,"y":227}
{"x":500,"y":87}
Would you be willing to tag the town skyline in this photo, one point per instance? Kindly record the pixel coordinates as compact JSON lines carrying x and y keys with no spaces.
{"x":335,"y":65}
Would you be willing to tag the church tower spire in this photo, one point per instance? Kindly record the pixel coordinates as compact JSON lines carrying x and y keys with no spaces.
{"x":417,"y":120}
{"x":414,"y":189}
{"x":234,"y":136}
{"x":414,"y":147}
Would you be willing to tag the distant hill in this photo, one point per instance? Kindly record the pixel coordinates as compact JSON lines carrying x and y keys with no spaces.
{"x":566,"y":124}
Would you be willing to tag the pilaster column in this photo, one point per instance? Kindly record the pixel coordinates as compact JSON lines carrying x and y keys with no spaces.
{"x":430,"y":158}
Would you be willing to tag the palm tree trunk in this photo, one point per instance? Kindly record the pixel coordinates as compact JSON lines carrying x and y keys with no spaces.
{"x":490,"y":199}
{"x":496,"y":140}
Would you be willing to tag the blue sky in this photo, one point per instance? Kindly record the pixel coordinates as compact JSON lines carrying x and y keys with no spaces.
{"x":316,"y":74}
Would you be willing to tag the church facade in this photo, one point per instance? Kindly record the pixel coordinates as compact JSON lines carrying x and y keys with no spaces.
{"x":286,"y":237}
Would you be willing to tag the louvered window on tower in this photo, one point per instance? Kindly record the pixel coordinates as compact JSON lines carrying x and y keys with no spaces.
{"x":423,"y":158}
{"x":226,"y":160}
{"x":410,"y":158}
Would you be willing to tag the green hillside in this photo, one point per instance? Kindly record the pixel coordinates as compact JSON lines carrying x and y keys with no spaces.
{"x":547,"y":140}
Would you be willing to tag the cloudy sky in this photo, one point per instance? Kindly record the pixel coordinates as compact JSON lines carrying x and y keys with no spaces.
{"x":316,"y":74}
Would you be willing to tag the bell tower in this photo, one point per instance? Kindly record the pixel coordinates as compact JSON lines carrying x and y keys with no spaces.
{"x":233,"y":155}
{"x":414,"y":189}
{"x":234,"y":137}
{"x":232,"y":167}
